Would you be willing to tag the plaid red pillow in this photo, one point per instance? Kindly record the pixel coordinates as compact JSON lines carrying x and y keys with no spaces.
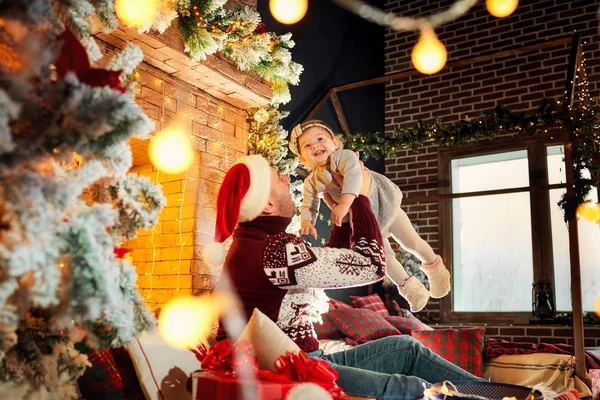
{"x":102,"y":378}
{"x":462,"y":347}
{"x":111,"y":375}
{"x":131,"y":384}
{"x":393,"y":307}
{"x":406,"y":325}
{"x":362,"y":325}
{"x":327,"y":330}
{"x":337,"y":305}
{"x":372,"y":302}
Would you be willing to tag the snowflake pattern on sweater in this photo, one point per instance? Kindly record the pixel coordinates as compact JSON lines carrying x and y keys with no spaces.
{"x":290,"y":263}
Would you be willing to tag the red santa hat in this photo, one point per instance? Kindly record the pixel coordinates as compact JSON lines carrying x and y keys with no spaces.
{"x":242,"y":197}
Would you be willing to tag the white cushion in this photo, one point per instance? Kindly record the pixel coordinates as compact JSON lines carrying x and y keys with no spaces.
{"x":268,"y":341}
{"x":161,"y":369}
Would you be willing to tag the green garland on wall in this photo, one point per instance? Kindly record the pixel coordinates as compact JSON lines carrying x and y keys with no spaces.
{"x":206,"y":27}
{"x":581,"y":122}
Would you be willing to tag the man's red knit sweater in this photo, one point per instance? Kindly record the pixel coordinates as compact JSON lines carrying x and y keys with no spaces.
{"x":279,"y":273}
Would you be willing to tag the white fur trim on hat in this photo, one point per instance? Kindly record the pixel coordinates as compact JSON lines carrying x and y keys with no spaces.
{"x":258,"y":193}
{"x":214,"y":254}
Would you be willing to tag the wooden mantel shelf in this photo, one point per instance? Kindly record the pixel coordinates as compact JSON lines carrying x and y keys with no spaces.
{"x":217,"y":75}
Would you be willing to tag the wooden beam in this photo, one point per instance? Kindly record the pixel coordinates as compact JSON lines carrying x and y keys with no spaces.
{"x":340,"y":114}
{"x":458,"y":63}
{"x":408,"y":200}
{"x":576,"y":302}
{"x":414,"y":72}
{"x":318,"y":106}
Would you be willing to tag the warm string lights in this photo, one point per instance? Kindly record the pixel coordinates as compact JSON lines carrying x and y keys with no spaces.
{"x":181,"y":127}
{"x":150,"y":275}
{"x":586,"y":140}
{"x":501,"y":8}
{"x":136,"y":13}
{"x":181,"y":203}
{"x":429,"y":55}
{"x":288,"y":11}
{"x":186,"y":321}
{"x":156,"y":182}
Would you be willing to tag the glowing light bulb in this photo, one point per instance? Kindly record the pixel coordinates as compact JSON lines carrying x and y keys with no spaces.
{"x":429,"y":54}
{"x":186,"y":321}
{"x":288,"y":11}
{"x":136,"y":13}
{"x":589,"y":211}
{"x":597,"y":306}
{"x":171,"y":151}
{"x":501,"y":8}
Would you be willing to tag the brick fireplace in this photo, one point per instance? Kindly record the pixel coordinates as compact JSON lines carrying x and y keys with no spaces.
{"x":212,"y":95}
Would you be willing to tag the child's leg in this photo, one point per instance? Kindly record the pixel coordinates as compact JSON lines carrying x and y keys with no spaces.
{"x":433,"y":266}
{"x":403,"y":232}
{"x":409,"y":287}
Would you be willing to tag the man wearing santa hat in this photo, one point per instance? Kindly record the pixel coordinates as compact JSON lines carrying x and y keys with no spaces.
{"x":279,"y":273}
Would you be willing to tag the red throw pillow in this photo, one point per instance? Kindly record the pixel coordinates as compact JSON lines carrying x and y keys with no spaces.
{"x":372,"y":302}
{"x":406,"y":325}
{"x":327,"y":330}
{"x":393,"y":307}
{"x":362,"y":325}
{"x":462,"y":347}
{"x":337,"y":305}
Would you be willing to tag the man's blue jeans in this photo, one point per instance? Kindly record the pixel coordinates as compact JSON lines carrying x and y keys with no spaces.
{"x":395,"y":367}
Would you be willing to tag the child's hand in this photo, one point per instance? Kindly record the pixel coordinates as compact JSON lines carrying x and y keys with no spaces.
{"x":338,"y":213}
{"x":309,"y":229}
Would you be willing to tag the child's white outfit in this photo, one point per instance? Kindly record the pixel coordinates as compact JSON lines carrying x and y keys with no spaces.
{"x":385,"y":198}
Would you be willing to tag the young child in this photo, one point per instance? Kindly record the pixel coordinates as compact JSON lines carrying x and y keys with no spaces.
{"x":319,"y":148}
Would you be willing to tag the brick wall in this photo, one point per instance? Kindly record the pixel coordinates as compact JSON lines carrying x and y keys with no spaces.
{"x":219,"y":135}
{"x":518,"y":81}
{"x":536,"y":334}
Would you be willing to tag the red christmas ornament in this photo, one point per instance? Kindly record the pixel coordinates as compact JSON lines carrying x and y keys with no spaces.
{"x":120,"y":252}
{"x":74,"y":58}
{"x":261,"y":28}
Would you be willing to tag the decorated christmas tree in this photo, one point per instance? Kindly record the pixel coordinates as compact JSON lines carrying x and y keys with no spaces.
{"x":269,"y":139}
{"x":66,"y":201}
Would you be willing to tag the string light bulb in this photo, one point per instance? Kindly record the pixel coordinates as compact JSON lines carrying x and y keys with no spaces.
{"x":597,"y":306}
{"x":501,"y":8}
{"x":288,"y":11}
{"x":136,"y":13}
{"x":172,"y":151}
{"x":429,"y":54}
{"x":589,"y":211}
{"x":186,"y":321}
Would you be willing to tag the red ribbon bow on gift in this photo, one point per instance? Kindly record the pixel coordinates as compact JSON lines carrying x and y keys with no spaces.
{"x":302,"y":368}
{"x":223,"y":358}
{"x":74,"y":58}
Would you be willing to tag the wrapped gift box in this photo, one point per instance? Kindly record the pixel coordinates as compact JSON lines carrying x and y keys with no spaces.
{"x":206,"y":385}
{"x":595,"y":376}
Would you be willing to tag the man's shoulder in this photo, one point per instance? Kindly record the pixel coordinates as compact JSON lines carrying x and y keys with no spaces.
{"x":289,"y":249}
{"x":284,"y":238}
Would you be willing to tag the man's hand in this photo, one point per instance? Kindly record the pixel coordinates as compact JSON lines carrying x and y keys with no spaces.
{"x":366,"y":181}
{"x":309,"y":229}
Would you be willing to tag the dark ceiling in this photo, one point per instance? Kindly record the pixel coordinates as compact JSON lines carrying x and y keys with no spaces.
{"x":335,"y":47}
